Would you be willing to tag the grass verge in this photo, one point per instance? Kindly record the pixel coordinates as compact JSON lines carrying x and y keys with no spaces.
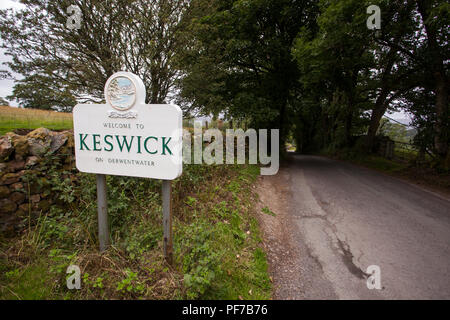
{"x":217,"y":241}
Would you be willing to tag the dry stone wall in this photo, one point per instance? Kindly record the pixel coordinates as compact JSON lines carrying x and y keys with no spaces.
{"x":25,"y":190}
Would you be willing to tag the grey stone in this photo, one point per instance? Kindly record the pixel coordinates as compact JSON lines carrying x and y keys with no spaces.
{"x":31,"y":161}
{"x":6,"y":148}
{"x":4,"y":192}
{"x":7,"y":206}
{"x":17,"y":197}
{"x":10,"y":178}
{"x":58,"y":139}
{"x":39,"y":141}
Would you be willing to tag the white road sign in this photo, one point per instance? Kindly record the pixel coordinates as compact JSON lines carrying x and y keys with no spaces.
{"x":127,"y":137}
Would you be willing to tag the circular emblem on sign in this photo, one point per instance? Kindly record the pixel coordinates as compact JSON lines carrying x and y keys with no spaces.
{"x":121,"y":93}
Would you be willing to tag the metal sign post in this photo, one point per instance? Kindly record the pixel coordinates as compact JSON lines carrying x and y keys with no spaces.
{"x":167,"y":220}
{"x":102,"y":209}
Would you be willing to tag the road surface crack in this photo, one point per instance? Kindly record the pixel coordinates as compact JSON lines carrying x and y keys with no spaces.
{"x":347,"y":258}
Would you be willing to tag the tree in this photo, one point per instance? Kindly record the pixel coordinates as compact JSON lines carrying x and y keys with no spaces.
{"x":3,"y":102}
{"x":427,"y":54}
{"x":115,"y":35}
{"x":435,"y":18}
{"x":240,"y":61}
{"x":40,"y":92}
{"x":335,"y":61}
{"x":394,"y":76}
{"x":352,"y":75}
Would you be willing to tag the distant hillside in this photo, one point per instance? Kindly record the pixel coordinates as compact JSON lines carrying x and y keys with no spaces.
{"x":411,"y":133}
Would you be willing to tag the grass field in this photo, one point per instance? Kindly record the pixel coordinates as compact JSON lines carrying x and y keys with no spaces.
{"x":16,"y":118}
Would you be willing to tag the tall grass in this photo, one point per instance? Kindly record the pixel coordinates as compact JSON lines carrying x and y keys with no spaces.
{"x":17,"y":118}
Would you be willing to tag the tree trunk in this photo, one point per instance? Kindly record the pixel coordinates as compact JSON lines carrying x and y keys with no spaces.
{"x":441,"y":138}
{"x":377,"y":113}
{"x":351,"y":106}
{"x":380,"y":105}
{"x":349,"y":120}
{"x":282,"y":124}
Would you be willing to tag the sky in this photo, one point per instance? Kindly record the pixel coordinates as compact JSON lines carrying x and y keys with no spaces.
{"x":6,"y":86}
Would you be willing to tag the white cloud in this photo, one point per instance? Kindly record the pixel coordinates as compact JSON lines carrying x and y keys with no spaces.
{"x":6,"y":85}
{"x":5,"y":4}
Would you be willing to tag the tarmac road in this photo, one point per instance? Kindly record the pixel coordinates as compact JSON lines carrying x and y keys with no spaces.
{"x":348,"y":218}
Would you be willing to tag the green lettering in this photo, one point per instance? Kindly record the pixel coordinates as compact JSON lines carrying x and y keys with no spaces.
{"x":145,"y":144}
{"x":139,"y":144}
{"x":96,"y":142}
{"x":164,"y":145}
{"x":124,"y":142}
{"x":82,"y":142}
{"x":111,"y":147}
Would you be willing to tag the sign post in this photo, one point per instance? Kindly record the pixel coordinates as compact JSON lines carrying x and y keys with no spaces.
{"x":102,"y":208}
{"x":127,"y":137}
{"x":167,"y":220}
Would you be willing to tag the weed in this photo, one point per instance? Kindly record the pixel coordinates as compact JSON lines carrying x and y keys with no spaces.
{"x":130,"y":283}
{"x":269,"y":212}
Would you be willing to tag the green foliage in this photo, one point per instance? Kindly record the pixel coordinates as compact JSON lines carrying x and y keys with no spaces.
{"x":239,"y":61}
{"x":32,"y":282}
{"x":212,"y":269}
{"x":267,"y":211}
{"x":97,"y":283}
{"x":134,"y":267}
{"x":3,"y":102}
{"x":309,"y":68}
{"x":142,"y":238}
{"x":234,"y":187}
{"x":353,"y":75}
{"x":190,"y":201}
{"x":130,"y":283}
{"x":395,"y":131}
{"x":200,"y":261}
{"x":43,"y":92}
{"x":60,"y":260}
